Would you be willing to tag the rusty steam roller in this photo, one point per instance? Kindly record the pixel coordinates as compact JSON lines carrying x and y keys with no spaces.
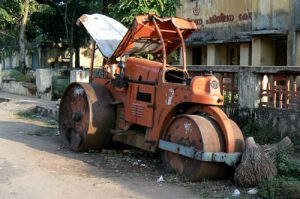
{"x":150,"y":104}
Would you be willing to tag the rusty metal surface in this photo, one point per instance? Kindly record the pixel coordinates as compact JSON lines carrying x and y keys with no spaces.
{"x":155,"y":35}
{"x":85,"y":117}
{"x":106,"y":31}
{"x":232,"y":134}
{"x":148,"y":34}
{"x":203,"y":134}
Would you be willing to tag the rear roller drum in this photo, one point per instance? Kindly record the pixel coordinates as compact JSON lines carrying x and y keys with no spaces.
{"x":202,"y":133}
{"x":85,"y":117}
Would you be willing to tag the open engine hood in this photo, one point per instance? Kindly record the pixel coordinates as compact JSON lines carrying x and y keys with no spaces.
{"x":106,"y":32}
{"x":114,"y":40}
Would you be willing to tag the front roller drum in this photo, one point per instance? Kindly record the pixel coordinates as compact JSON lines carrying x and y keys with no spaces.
{"x":202,"y":133}
{"x":85,"y":116}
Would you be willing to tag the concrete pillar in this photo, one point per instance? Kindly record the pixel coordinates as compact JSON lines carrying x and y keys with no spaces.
{"x":298,"y":49}
{"x":211,"y":55}
{"x":265,"y":81}
{"x":189,"y":55}
{"x":256,"y":51}
{"x":44,"y":83}
{"x":262,"y":51}
{"x":291,"y":48}
{"x":244,"y":54}
{"x":216,"y":55}
{"x":249,"y":88}
{"x":221,"y":52}
{"x":79,"y":76}
{"x":203,"y":55}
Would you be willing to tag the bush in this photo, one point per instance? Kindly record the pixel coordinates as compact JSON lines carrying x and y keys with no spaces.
{"x":59,"y":84}
{"x":287,"y":167}
{"x":263,"y":134}
{"x":287,"y":185}
{"x":280,"y":187}
{"x":20,"y":77}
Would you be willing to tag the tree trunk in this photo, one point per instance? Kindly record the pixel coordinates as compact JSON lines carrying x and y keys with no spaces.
{"x":71,"y":46}
{"x":66,"y":21}
{"x":255,"y":165}
{"x":22,"y":39}
{"x":257,"y":161}
{"x":77,"y":54}
{"x":285,"y":145}
{"x":70,"y":32}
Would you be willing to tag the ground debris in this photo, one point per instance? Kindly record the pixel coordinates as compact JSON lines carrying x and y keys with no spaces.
{"x":252,"y":191}
{"x":236,"y":193}
{"x":160,"y":179}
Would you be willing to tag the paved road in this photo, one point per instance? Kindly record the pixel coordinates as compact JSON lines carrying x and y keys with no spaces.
{"x":34,"y":165}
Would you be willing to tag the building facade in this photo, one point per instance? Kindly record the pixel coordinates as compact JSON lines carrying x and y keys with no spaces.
{"x":243,"y":32}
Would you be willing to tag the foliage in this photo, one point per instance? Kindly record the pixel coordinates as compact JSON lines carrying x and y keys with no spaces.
{"x":263,"y":134}
{"x":296,"y":141}
{"x":45,"y":26}
{"x":51,"y":21}
{"x":12,"y":25}
{"x":126,"y":10}
{"x":287,"y":167}
{"x":62,"y":26}
{"x":10,"y":12}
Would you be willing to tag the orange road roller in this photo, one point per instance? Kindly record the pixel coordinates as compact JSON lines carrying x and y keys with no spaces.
{"x":150,"y":104}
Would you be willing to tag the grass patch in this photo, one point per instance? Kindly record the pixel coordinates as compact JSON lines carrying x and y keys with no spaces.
{"x":30,"y":115}
{"x":203,"y":190}
{"x":45,"y":131}
{"x":280,"y":187}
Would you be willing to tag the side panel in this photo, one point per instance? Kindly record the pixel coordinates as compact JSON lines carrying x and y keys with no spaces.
{"x":140,"y":104}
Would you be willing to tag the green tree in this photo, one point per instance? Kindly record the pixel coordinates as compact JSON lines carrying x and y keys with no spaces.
{"x":126,"y":10}
{"x":9,"y":20}
{"x":68,"y":11}
{"x":13,"y":23}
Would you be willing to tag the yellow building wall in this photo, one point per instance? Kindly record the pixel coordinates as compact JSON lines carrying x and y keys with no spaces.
{"x":245,"y":55}
{"x":268,"y":6}
{"x":216,"y":13}
{"x":85,"y":60}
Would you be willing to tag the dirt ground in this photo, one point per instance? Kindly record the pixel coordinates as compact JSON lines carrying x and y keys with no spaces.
{"x":34,"y":164}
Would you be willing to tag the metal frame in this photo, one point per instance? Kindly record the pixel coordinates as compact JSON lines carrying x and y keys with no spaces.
{"x":230,"y":159}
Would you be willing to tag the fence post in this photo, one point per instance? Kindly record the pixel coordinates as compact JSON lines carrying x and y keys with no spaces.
{"x":249,"y":88}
